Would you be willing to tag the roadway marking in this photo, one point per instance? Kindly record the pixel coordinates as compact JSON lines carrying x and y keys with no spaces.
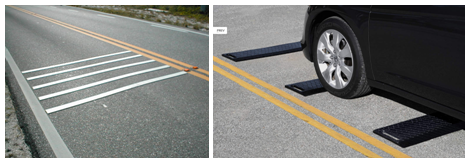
{"x":73,"y":10}
{"x":123,"y":45}
{"x":101,"y":82}
{"x":90,"y":74}
{"x":105,"y":16}
{"x":151,"y":23}
{"x":82,"y":101}
{"x":82,"y":67}
{"x":176,"y":29}
{"x":298,"y":114}
{"x":379,"y":144}
{"x":52,"y":136}
{"x":74,"y":62}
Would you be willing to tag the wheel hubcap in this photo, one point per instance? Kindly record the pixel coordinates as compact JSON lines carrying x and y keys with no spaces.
{"x":334,"y":59}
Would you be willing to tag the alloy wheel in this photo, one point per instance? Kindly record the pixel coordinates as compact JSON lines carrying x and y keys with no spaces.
{"x":334,"y":58}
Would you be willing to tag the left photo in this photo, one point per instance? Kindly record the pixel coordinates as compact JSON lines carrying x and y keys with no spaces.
{"x":107,"y":81}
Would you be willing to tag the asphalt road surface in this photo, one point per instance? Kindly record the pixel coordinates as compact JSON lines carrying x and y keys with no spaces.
{"x":248,"y":125}
{"x":132,"y":103}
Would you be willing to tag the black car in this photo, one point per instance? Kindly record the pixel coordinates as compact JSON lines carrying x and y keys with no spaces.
{"x":417,"y":52}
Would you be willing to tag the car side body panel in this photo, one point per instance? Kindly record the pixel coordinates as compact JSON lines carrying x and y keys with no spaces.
{"x":421,"y":49}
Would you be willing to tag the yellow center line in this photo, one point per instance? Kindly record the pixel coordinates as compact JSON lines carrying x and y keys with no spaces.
{"x":379,"y":144}
{"x":298,"y":114}
{"x":123,"y":45}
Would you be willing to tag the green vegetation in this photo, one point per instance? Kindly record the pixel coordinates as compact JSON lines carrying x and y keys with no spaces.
{"x":186,"y":11}
{"x":189,"y":12}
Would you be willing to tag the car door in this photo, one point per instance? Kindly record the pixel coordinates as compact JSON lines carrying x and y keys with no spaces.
{"x":420,"y":49}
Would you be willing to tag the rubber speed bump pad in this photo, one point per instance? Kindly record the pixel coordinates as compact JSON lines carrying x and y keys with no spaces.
{"x":307,"y":88}
{"x":418,"y":130}
{"x":264,"y":52}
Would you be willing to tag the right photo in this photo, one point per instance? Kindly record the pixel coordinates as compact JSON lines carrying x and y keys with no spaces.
{"x":339,"y":81}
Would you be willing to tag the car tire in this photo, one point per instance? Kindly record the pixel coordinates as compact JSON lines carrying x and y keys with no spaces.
{"x":338,"y":59}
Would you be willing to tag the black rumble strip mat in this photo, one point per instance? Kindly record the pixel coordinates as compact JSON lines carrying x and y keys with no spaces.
{"x":307,"y":88}
{"x":264,"y":52}
{"x":419,"y":129}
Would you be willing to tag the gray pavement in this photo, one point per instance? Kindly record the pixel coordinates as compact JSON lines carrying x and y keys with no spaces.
{"x":168,"y":118}
{"x":246,"y":125}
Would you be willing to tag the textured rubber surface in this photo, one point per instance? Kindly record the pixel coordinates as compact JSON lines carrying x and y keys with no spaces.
{"x":418,"y":130}
{"x":264,"y":52}
{"x":307,"y":88}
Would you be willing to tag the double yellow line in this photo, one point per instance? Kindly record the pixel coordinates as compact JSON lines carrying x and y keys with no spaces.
{"x":201,"y":73}
{"x":386,"y":148}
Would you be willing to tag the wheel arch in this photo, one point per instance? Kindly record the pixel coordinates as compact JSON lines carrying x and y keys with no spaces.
{"x":316,"y":18}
